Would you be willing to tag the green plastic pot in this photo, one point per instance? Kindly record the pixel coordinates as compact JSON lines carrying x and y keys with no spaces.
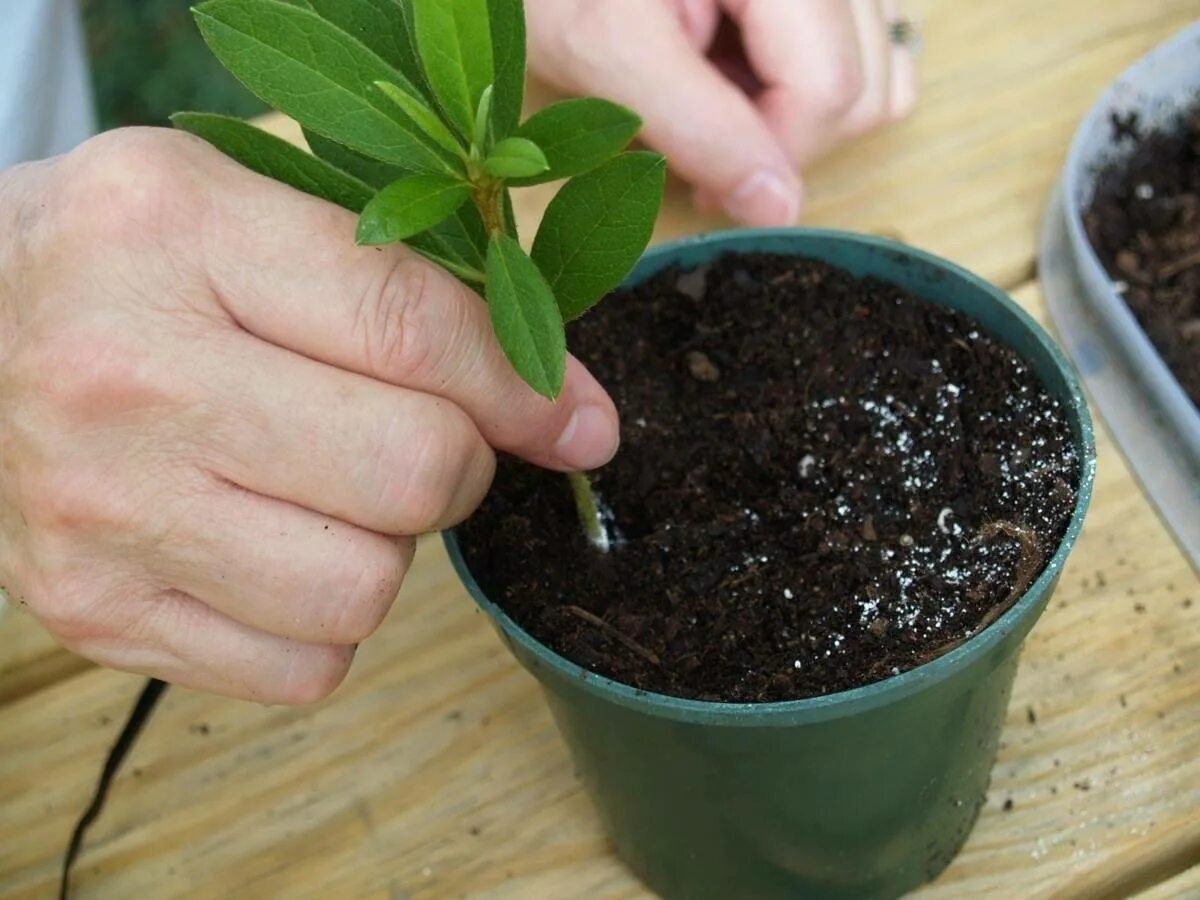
{"x":864,"y":793}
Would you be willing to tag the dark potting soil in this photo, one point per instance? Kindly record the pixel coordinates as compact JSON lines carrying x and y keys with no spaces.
{"x":1144,"y":223}
{"x":823,"y":481}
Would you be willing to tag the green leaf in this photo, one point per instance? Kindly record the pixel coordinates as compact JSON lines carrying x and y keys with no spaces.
{"x":596,"y":227}
{"x":415,"y":108}
{"x":507,"y":18}
{"x":455,"y":43}
{"x":525,"y":317}
{"x":322,"y":77}
{"x":483,"y":117}
{"x":409,"y":206}
{"x":515,"y":158}
{"x":578,"y":135}
{"x":276,"y":158}
{"x":378,"y":24}
{"x":510,"y":216}
{"x":375,"y":173}
{"x":459,"y":244}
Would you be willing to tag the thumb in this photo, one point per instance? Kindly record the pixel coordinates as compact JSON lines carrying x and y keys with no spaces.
{"x":710,"y":130}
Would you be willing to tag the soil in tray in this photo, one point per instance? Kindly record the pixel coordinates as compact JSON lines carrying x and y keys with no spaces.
{"x":1144,"y":223}
{"x":823,"y":481}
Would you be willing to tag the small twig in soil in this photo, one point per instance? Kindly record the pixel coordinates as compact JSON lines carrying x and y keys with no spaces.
{"x":1180,"y":265}
{"x":626,"y":640}
{"x":1029,"y":564}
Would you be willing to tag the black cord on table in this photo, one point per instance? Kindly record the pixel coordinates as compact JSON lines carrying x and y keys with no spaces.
{"x":133,"y":726}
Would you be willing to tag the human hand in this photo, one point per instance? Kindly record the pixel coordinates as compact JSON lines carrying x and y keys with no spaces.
{"x":740,"y":124}
{"x":221,"y":422}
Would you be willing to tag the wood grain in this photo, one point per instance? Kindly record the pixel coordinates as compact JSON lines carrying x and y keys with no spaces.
{"x":29,"y":658}
{"x":436,"y":771}
{"x":1184,"y":886}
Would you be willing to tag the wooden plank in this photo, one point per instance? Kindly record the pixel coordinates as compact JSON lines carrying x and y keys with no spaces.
{"x":1184,"y":886}
{"x":29,"y":658}
{"x":436,"y":771}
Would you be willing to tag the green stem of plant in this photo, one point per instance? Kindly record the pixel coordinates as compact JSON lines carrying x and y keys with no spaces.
{"x":489,"y":197}
{"x":589,"y":510}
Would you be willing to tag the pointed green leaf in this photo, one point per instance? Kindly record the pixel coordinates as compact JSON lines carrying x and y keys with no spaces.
{"x":322,"y":77}
{"x":275,"y":158}
{"x":515,"y":158}
{"x":416,"y":109}
{"x":483,"y":118}
{"x":525,"y":317}
{"x":507,"y":19}
{"x":379,"y":24}
{"x":409,"y":206}
{"x":455,"y":43}
{"x":472,"y":278}
{"x":578,"y":135}
{"x":510,"y":216}
{"x":596,"y":228}
{"x":459,"y":243}
{"x":375,"y":173}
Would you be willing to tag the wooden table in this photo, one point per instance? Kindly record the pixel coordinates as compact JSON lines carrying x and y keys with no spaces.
{"x":435,"y":771}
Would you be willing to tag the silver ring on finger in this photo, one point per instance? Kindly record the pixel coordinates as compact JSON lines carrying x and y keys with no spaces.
{"x":905,"y":33}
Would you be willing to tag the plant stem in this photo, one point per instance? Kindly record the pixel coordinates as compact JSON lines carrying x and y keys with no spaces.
{"x":488,"y":196}
{"x":589,"y":510}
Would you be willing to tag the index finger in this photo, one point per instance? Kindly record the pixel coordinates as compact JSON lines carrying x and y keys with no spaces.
{"x":286,"y":268}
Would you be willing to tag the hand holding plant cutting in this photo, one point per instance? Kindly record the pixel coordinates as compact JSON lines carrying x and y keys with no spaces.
{"x":421,"y":99}
{"x":214,"y":464}
{"x":412,"y":110}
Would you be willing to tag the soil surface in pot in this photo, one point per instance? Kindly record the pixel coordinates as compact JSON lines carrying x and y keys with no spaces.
{"x":823,"y":481}
{"x":1144,"y":223}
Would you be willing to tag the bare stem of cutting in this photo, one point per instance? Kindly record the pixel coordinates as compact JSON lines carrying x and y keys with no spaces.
{"x":490,"y":201}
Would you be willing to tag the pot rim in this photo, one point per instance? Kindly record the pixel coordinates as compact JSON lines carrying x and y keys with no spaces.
{"x":857,"y":700}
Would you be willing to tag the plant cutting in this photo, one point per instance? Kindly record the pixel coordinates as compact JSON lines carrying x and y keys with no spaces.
{"x":412,"y":111}
{"x":851,"y":475}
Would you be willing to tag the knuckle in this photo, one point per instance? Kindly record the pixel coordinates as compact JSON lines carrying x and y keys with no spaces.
{"x":365,"y":594}
{"x":834,"y":89}
{"x":85,"y":375}
{"x":314,"y":673}
{"x":127,"y":181}
{"x":474,"y":486}
{"x":76,"y":502}
{"x":389,"y":314}
{"x":586,"y":46}
{"x":440,"y":449}
{"x":69,"y":608}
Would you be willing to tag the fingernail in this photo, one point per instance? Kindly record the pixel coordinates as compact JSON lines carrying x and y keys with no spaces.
{"x":765,"y":199}
{"x":589,"y":440}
